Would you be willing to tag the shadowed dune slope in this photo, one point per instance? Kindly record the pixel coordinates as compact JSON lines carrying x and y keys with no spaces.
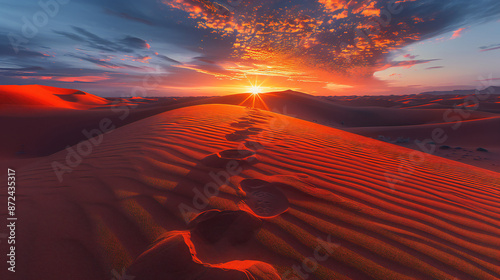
{"x":482,"y":132}
{"x":323,"y":111}
{"x":298,"y":200}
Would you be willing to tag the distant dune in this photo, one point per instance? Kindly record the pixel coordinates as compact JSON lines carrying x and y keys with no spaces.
{"x":45,"y":96}
{"x":329,"y":113}
{"x":44,"y":120}
{"x":297,"y":198}
{"x":489,"y":102}
{"x":461,"y":92}
{"x":470,"y":124}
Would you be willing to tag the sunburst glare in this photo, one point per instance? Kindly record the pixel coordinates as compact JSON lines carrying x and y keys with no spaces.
{"x":255,"y":90}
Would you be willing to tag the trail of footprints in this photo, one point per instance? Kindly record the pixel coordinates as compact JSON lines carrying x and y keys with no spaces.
{"x":172,"y":254}
{"x":263,"y":198}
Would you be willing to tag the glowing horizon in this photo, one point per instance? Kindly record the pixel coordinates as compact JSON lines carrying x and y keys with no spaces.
{"x":193,"y":47}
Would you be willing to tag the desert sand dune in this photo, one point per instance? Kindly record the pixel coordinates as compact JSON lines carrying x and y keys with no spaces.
{"x":314,"y":203}
{"x":45,"y":96}
{"x":488,"y":101}
{"x":55,"y":118}
{"x":480,"y":133}
{"x":461,"y":143}
{"x":320,"y":110}
{"x":48,"y":119}
{"x":465,"y":130}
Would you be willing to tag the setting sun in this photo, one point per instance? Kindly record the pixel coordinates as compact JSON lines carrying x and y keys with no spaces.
{"x":255,"y":90}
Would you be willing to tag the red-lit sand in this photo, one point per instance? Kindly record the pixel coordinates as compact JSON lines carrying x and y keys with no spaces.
{"x":303,"y":191}
{"x":42,"y":120}
{"x":62,"y":114}
{"x":400,"y":117}
{"x":323,"y":111}
{"x":44,"y":96}
{"x":462,"y":139}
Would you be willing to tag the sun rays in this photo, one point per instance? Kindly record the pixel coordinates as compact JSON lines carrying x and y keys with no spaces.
{"x":255,"y":90}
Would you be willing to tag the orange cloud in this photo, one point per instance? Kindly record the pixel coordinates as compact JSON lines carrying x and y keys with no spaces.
{"x":458,"y":33}
{"x":87,"y":79}
{"x":333,"y":5}
{"x":342,"y":15}
{"x":370,"y":10}
{"x":328,"y":43}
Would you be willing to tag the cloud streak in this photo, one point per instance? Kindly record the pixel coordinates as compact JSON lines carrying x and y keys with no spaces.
{"x":489,"y":48}
{"x":127,"y":44}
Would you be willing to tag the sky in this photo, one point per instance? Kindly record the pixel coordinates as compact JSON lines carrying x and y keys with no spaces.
{"x":218,"y":47}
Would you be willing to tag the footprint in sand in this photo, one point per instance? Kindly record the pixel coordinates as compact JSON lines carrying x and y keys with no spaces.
{"x":247,"y":118}
{"x":241,"y":124}
{"x":240,"y":135}
{"x":247,"y":131}
{"x":236,"y":137}
{"x":235,"y":226}
{"x":175,"y":255}
{"x":254,"y":129}
{"x":254,"y":145}
{"x":221,"y":159}
{"x":264,"y":199}
{"x":238,"y":154}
